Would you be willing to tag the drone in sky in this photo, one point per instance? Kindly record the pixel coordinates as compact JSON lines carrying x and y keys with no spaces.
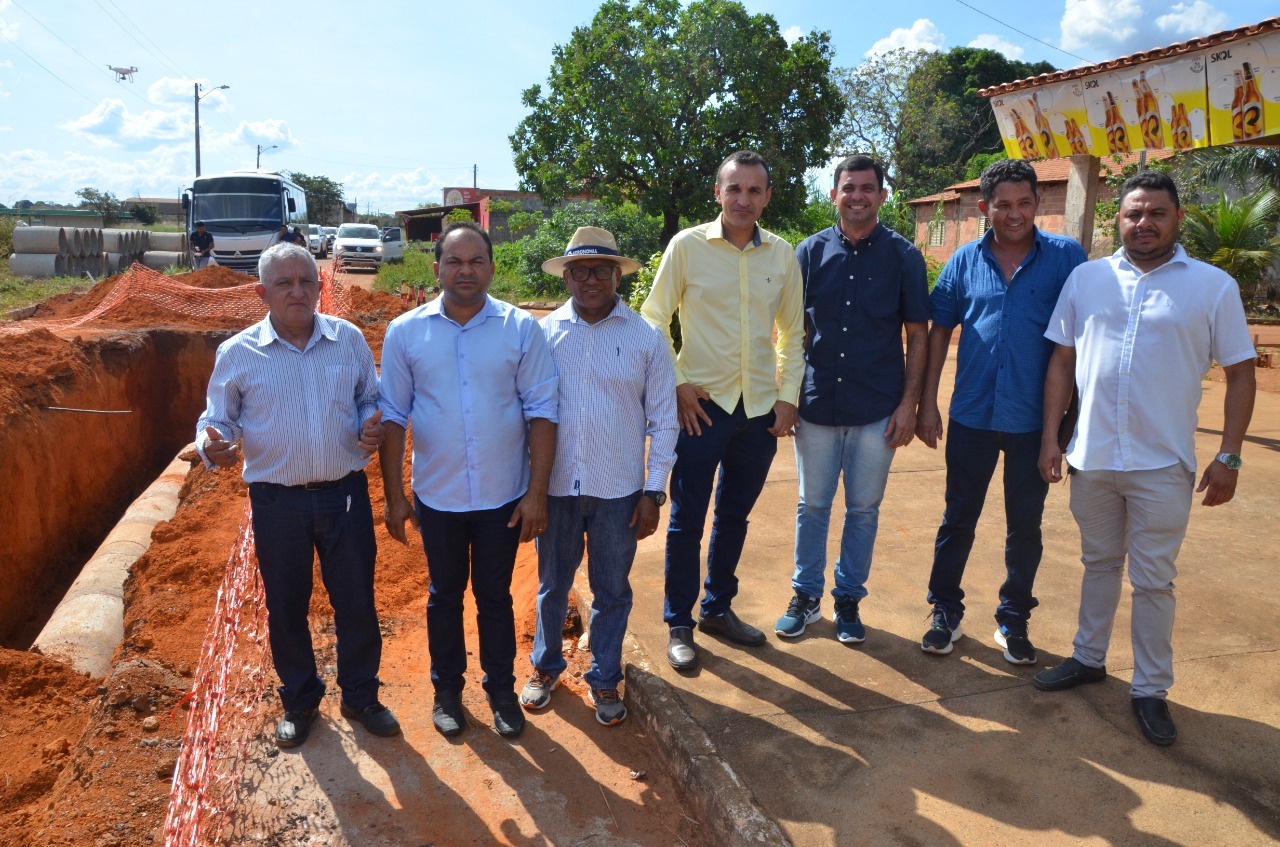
{"x":123,"y":74}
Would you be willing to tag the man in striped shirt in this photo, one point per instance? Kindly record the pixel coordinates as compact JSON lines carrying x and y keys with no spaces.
{"x":617,"y":387}
{"x":298,"y":393}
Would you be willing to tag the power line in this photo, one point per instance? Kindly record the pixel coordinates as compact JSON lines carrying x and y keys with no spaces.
{"x":1024,"y":34}
{"x":136,"y":41}
{"x":144,"y":35}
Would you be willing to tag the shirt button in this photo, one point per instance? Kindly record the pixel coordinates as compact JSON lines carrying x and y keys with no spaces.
{"x":844,"y":329}
{"x":839,"y":379}
{"x":841,"y":355}
{"x":848,"y":302}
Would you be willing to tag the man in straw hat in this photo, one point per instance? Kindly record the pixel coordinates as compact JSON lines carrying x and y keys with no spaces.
{"x":617,"y":387}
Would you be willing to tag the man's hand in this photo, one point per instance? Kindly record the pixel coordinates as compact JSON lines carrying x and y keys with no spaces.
{"x":784,"y":420}
{"x":689,"y":407}
{"x":1050,"y":461}
{"x":371,"y":434}
{"x":1218,"y":483}
{"x":396,"y":511}
{"x":219,"y":450}
{"x":531,"y":514}
{"x":644,"y":518}
{"x":901,"y":427}
{"x":929,"y":425}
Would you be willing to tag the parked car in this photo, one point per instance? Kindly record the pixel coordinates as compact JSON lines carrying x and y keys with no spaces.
{"x":364,"y":245}
{"x":330,"y":233}
{"x":316,"y":241}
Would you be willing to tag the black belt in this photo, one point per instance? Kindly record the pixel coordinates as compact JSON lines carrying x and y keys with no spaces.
{"x":322,"y":486}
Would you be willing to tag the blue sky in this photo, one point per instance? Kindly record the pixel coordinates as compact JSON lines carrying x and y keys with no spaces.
{"x":396,"y":100}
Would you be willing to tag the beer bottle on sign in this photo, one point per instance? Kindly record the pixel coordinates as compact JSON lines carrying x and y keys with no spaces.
{"x":1117,"y":130}
{"x":1181,"y":127}
{"x":1042,"y":129}
{"x":1152,"y":125}
{"x":1250,"y":106}
{"x":1237,"y":127}
{"x":1075,"y":137}
{"x":1026,"y":141}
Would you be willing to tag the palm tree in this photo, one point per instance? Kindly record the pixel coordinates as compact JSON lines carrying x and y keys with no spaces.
{"x":1241,"y":165}
{"x":1237,"y":236}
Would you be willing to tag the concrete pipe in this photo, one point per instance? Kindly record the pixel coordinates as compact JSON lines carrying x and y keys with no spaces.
{"x":88,"y":625}
{"x":74,"y":241}
{"x":119,"y":241}
{"x":160,"y":259}
{"x":40,"y":239}
{"x":174,"y":242}
{"x":40,"y":265}
{"x":96,"y":246}
{"x":114,"y":263}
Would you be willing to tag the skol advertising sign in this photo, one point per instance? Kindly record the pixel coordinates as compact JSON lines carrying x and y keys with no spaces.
{"x":1244,"y":90}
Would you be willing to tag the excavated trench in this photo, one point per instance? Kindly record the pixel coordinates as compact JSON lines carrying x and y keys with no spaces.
{"x":68,"y":476}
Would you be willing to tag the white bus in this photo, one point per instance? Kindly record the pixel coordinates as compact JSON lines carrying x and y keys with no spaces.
{"x":243,"y":211}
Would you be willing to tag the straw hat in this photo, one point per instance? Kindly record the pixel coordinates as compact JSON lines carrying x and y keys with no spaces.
{"x":591,"y":242}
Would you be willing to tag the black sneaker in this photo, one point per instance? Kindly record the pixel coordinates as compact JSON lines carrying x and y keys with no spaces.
{"x":294,"y":727}
{"x":849,"y":628}
{"x":943,"y":632}
{"x":446,"y":713}
{"x":375,"y":717}
{"x":801,"y":611}
{"x":1018,"y":649}
{"x":508,"y":716}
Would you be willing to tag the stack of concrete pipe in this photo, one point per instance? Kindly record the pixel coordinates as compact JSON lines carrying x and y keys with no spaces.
{"x":45,"y":251}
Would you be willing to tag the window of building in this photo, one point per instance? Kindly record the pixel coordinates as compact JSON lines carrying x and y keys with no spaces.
{"x":983,"y":225}
{"x":937,"y":233}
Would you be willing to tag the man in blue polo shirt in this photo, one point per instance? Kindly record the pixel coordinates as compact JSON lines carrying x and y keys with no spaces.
{"x":863,"y":282}
{"x":1001,"y":289}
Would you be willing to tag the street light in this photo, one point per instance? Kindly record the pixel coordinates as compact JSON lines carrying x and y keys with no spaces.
{"x":198,"y":97}
{"x":260,"y":149}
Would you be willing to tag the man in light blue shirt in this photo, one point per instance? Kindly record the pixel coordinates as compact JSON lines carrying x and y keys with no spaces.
{"x":473,"y":377}
{"x":1001,"y":290}
{"x":298,"y":392}
{"x":617,"y":388}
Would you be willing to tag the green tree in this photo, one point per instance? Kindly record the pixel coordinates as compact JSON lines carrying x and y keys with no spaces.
{"x":324,"y":198}
{"x":644,"y":103}
{"x":144,"y":213}
{"x":875,"y":106}
{"x":1244,"y":167}
{"x":1238,"y":236}
{"x":638,"y":236}
{"x":103,"y":202}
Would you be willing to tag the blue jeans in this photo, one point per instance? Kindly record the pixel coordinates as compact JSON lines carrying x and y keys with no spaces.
{"x":823,"y":453}
{"x":611,"y":548}
{"x":480,"y":548}
{"x":290,"y":527}
{"x":742,"y":449}
{"x":971,"y":462}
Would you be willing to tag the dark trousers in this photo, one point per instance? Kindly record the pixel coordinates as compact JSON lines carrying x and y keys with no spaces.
{"x":971,"y":462}
{"x":291,"y":526}
{"x":480,"y":548}
{"x":742,"y":449}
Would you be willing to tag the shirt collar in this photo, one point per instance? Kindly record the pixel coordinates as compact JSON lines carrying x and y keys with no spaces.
{"x":322,"y":326}
{"x":716,"y":230}
{"x":990,"y":235}
{"x":436,"y":307}
{"x":868,"y":239}
{"x":568,"y":313}
{"x":1179,"y":256}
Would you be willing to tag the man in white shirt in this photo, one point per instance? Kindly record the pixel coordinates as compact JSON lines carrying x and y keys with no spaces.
{"x":617,"y":387}
{"x":1136,"y":332}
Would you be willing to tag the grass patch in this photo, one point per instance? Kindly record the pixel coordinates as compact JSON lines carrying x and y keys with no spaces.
{"x":416,"y":270}
{"x":18,"y":292}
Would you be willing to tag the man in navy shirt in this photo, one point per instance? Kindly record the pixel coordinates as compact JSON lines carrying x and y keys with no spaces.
{"x":201,"y":246}
{"x":863,"y":283}
{"x":1001,"y":289}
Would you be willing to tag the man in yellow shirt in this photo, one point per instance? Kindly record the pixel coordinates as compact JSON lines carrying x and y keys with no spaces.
{"x":736,"y":391}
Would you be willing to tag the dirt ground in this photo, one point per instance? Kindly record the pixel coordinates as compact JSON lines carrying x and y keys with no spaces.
{"x":90,"y":762}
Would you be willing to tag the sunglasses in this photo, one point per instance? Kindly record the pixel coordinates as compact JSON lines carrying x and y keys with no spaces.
{"x":604,"y":273}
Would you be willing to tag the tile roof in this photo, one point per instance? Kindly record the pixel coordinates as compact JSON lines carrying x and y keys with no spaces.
{"x":1189,"y":46}
{"x":1049,"y":171}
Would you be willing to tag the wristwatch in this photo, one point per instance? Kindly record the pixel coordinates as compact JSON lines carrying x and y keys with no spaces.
{"x":1231,"y":460}
{"x":659,"y":498}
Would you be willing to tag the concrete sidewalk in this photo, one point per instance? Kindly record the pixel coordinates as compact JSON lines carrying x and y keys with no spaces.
{"x":883,"y":744}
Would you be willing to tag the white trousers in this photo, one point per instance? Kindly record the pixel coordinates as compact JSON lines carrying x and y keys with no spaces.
{"x":1141,"y":514}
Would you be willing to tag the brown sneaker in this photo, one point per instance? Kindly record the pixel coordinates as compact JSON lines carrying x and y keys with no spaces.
{"x":537,"y":691}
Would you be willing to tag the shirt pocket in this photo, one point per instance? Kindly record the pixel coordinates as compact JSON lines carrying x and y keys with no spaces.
{"x":340,"y":383}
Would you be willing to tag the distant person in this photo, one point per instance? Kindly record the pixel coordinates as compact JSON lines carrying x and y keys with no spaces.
{"x":1000,"y":290}
{"x":298,"y":392}
{"x":1136,"y":332}
{"x":617,"y":389}
{"x":475,"y":377}
{"x":863,"y":284}
{"x":283,"y":236}
{"x":733,"y":283}
{"x":299,"y":237}
{"x":201,"y":246}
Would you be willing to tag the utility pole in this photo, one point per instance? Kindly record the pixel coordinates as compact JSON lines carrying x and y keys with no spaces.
{"x":475,"y":170}
{"x":197,"y":95}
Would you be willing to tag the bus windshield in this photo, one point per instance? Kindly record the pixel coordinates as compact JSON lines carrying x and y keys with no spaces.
{"x":237,"y":204}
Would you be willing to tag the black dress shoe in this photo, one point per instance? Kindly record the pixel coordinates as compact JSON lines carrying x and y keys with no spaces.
{"x":446,"y":713}
{"x":508,"y":716}
{"x":1154,"y":720}
{"x":294,"y":727}
{"x":732,"y":627}
{"x":1069,"y":674}
{"x":376,"y":718}
{"x":680,"y":650}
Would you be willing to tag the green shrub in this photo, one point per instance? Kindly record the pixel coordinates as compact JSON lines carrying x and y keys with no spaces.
{"x":637,"y":235}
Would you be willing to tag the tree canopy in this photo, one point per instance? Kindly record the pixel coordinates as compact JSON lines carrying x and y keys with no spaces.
{"x":324,"y":198}
{"x":919,"y":113}
{"x":103,"y":202}
{"x":644,"y":103}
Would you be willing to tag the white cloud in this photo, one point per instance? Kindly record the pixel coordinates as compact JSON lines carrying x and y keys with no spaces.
{"x":112,"y":124}
{"x":1188,"y":20}
{"x":792,"y":34}
{"x":395,"y":191}
{"x":8,"y":30}
{"x":995,"y":42}
{"x":5,"y":63}
{"x":922,"y":35}
{"x":6,"y":129}
{"x":1108,"y":29}
{"x":55,"y":177}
